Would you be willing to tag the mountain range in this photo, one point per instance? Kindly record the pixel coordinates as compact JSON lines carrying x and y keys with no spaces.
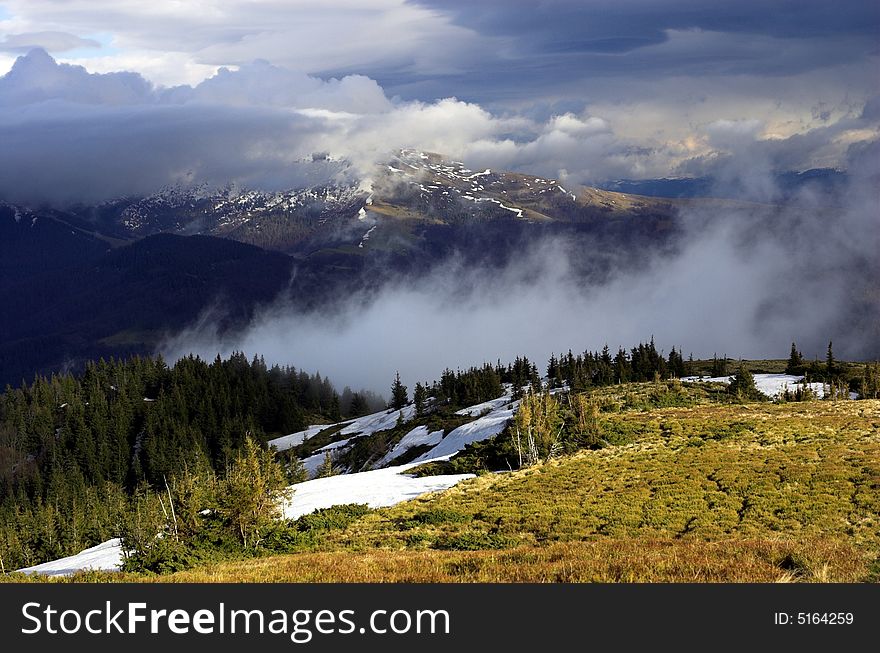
{"x":116,"y":278}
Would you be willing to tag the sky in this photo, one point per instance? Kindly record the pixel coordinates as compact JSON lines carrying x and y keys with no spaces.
{"x":582,"y":91}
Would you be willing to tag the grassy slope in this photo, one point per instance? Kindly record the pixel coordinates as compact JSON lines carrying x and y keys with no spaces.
{"x":757,"y":492}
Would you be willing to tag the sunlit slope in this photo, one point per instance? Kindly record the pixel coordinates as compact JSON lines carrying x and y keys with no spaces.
{"x":754,"y":492}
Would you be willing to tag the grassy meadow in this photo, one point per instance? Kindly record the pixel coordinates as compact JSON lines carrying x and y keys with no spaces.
{"x":706,"y":492}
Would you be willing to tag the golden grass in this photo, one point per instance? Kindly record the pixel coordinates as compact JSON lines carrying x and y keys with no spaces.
{"x":607,"y":560}
{"x":709,"y":493}
{"x":713,"y":472}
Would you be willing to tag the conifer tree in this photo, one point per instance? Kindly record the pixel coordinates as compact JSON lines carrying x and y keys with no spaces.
{"x":358,"y":406}
{"x":830,"y":364}
{"x":420,"y":398}
{"x":251,"y":493}
{"x":399,"y":397}
{"x":870,"y":382}
{"x":743,"y":384}
{"x":795,"y":361}
{"x":537,"y":428}
{"x":326,"y":468}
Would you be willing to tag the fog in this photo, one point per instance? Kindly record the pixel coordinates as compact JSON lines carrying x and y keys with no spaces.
{"x":746,"y":281}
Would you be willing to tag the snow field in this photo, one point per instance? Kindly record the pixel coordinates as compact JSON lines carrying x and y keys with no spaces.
{"x":377,"y":488}
{"x":772,"y":385}
{"x":418,"y":436}
{"x":106,"y":556}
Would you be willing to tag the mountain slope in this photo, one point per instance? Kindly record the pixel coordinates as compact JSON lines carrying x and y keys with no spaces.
{"x":122,"y":301}
{"x":112,"y":279}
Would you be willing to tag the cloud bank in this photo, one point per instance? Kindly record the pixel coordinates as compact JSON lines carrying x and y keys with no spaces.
{"x":72,"y":136}
{"x":745,"y":281}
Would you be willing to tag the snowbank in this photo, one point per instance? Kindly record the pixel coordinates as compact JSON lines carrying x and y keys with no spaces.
{"x":377,"y":489}
{"x":492,"y":404}
{"x":367,"y":425}
{"x":480,"y":429}
{"x":106,"y":556}
{"x":417,"y":437}
{"x":771,"y":385}
{"x":294,"y":439}
{"x":386,"y":419}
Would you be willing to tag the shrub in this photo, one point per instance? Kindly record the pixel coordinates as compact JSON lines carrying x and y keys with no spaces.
{"x":250,"y":495}
{"x":537,"y":427}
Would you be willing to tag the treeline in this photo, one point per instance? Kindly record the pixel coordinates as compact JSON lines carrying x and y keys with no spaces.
{"x":840,"y":378}
{"x":72,"y":448}
{"x":641,"y":363}
{"x":470,"y":387}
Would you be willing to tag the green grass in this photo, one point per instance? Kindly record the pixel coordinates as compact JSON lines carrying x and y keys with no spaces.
{"x":704,"y":492}
{"x":764,"y":473}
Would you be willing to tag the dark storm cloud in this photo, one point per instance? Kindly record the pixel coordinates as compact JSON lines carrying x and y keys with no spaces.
{"x":573,"y":22}
{"x":554,"y":45}
{"x":70,"y":136}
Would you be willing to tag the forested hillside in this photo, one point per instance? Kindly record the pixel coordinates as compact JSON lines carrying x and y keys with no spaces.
{"x":73,"y":449}
{"x":88,"y":457}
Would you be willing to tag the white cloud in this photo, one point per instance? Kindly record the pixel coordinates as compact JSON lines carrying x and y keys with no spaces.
{"x":55,"y":41}
{"x":67,"y":131}
{"x":170,"y":40}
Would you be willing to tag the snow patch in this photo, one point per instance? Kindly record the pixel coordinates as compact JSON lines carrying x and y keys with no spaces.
{"x":419,"y":436}
{"x":312,"y":463}
{"x":295,"y":439}
{"x":378,"y":489}
{"x":382,"y":421}
{"x":106,"y":556}
{"x":366,"y":236}
{"x":492,"y":404}
{"x":339,"y":444}
{"x":772,"y":385}
{"x":476,"y":431}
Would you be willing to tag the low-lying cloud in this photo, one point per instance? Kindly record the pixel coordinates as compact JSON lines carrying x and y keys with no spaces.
{"x":744,"y":282}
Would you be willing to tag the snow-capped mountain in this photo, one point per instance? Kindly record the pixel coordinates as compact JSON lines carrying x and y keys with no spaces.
{"x":340,"y":233}
{"x":335,"y":202}
{"x":273,"y":220}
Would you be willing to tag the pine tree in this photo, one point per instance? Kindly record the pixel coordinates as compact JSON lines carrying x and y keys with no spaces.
{"x":420,"y":398}
{"x":585,"y":432}
{"x":326,"y":468}
{"x":537,"y":428}
{"x":358,"y":406}
{"x":742,"y":385}
{"x":553,"y":371}
{"x":795,"y":361}
{"x":870,"y":382}
{"x":296,"y":471}
{"x":830,"y":364}
{"x":251,"y":493}
{"x":399,"y":397}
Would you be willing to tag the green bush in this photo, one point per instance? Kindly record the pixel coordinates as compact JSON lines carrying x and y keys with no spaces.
{"x":433,"y":517}
{"x":333,"y":518}
{"x":475,"y":541}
